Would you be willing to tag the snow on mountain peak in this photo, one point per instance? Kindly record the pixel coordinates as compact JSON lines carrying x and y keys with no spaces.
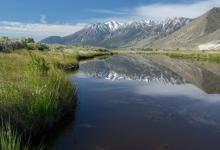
{"x":149,"y":21}
{"x":168,"y":23}
{"x":174,"y":21}
{"x":113,"y":25}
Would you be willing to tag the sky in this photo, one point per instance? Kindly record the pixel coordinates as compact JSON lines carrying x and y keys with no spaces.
{"x":43,"y":18}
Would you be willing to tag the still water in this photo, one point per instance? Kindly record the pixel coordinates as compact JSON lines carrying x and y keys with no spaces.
{"x":143,"y":102}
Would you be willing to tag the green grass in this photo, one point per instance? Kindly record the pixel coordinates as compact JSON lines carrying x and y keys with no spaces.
{"x":211,"y":55}
{"x":36,"y":92}
{"x":214,"y":56}
{"x":191,"y":54}
{"x":11,"y":140}
{"x":37,"y":98}
{"x":35,"y":89}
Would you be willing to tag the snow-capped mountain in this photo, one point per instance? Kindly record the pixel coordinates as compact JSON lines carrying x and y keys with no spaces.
{"x":113,"y":34}
{"x":113,"y":25}
{"x":171,"y":22}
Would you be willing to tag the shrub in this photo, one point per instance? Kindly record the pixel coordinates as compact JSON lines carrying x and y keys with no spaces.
{"x":28,"y":40}
{"x":38,"y":46}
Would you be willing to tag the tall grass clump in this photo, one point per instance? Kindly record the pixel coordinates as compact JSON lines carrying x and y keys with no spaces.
{"x":11,"y":140}
{"x":34,"y":92}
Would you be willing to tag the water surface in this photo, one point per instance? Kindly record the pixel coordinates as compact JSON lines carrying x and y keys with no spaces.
{"x":143,"y":102}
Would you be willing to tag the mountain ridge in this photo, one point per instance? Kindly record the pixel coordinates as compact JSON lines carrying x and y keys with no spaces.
{"x":201,"y":33}
{"x":194,"y":34}
{"x":112,"y":34}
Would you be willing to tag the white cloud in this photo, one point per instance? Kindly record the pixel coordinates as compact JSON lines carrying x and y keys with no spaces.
{"x":155,"y":89}
{"x":159,"y":11}
{"x":43,"y":18}
{"x":38,"y":30}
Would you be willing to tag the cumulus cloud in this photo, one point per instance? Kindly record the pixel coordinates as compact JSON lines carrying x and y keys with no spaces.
{"x":39,"y":29}
{"x":43,"y":17}
{"x":159,"y":11}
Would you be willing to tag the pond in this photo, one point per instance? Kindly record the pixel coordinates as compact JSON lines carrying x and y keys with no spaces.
{"x":143,"y":102}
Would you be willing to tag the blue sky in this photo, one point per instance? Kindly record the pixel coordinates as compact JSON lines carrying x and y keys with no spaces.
{"x":43,"y":18}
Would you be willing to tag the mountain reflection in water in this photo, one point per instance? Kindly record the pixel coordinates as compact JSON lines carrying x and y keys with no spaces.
{"x":146,"y":102}
{"x":160,"y":68}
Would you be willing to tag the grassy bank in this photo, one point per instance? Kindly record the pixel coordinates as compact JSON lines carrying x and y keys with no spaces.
{"x":198,"y":54}
{"x":210,"y":55}
{"x":35,"y":90}
{"x":12,"y":140}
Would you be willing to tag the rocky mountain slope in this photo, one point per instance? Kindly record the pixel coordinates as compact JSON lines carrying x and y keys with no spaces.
{"x":171,"y":33}
{"x":52,"y":40}
{"x":201,"y":33}
{"x":117,"y":35}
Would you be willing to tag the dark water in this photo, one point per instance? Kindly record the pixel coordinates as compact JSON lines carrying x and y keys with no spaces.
{"x":137,"y":102}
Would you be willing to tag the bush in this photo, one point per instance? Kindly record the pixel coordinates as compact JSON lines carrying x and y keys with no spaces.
{"x":38,"y":46}
{"x":28,"y":40}
{"x":7,"y":44}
